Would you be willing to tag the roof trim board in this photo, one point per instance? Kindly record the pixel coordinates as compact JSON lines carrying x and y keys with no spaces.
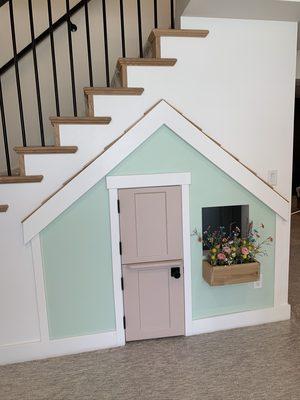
{"x":161,"y":114}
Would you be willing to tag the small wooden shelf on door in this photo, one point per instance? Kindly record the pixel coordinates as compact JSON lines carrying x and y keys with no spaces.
{"x":230,"y":274}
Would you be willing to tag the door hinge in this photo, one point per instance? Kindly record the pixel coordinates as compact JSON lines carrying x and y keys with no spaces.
{"x":118,"y":203}
{"x":120,"y":247}
{"x":122,"y":283}
{"x":124,"y":322}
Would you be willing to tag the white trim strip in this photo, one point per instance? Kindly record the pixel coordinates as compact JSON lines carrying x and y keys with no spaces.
{"x":240,"y":320}
{"x":282,"y":260}
{"x":38,"y":350}
{"x":40,"y":287}
{"x":116,"y":265}
{"x":133,"y":181}
{"x":186,"y":234}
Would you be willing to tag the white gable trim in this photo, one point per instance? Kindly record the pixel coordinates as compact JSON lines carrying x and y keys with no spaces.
{"x":161,"y":114}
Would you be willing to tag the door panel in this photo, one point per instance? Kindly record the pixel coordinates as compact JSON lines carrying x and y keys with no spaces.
{"x":150,"y":224}
{"x":151,"y":227}
{"x":153,"y":300}
{"x":151,"y":235}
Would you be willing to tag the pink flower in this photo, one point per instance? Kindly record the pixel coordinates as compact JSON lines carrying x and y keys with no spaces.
{"x":226,"y":250}
{"x":221,"y":256}
{"x":245,"y":251}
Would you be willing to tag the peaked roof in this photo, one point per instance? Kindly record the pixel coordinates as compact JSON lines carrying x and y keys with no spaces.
{"x":162,"y":113}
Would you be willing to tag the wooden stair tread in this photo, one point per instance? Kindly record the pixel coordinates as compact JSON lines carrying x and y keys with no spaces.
{"x":3,"y":208}
{"x":46,"y":150}
{"x":154,"y":39}
{"x":80,"y":120}
{"x":123,"y":63}
{"x":113,"y":91}
{"x":151,"y":62}
{"x":178,"y":33}
{"x":21,"y":179}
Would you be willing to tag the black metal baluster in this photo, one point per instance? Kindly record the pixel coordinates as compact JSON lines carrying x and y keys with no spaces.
{"x":140,"y":27}
{"x":172,"y":14}
{"x":155,"y":14}
{"x":36,"y":73}
{"x":19,"y":91}
{"x":88,"y":42}
{"x":53,"y":57}
{"x":5,"y":140}
{"x":71,"y":58}
{"x":122,"y":29}
{"x":44,"y":35}
{"x":105,"y":42}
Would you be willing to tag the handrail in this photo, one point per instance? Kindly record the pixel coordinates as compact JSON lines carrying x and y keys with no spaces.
{"x":44,"y":35}
{"x":42,"y":99}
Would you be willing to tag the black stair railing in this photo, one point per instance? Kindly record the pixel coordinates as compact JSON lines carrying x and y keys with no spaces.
{"x":56,"y":62}
{"x":17,"y":73}
{"x":53,"y":57}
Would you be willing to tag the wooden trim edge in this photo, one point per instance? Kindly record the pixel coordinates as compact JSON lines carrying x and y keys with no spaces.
{"x":46,"y":150}
{"x":21,"y":179}
{"x":109,"y":91}
{"x":80,"y":120}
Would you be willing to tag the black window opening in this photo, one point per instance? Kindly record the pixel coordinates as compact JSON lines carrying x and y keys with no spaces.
{"x":229,"y":217}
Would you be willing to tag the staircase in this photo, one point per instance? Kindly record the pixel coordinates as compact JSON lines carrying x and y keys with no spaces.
{"x":71,"y":128}
{"x":104,"y":130}
{"x":52,"y":49}
{"x":90,"y":120}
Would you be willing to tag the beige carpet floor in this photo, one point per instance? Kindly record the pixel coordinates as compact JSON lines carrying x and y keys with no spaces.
{"x":255,"y":363}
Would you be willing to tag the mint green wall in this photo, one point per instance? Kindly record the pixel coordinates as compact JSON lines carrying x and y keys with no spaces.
{"x":77,"y":268}
{"x":77,"y":252}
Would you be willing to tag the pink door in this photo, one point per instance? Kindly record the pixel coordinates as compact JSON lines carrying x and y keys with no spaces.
{"x":151,"y":237}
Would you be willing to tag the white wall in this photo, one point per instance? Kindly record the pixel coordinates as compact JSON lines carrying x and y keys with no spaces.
{"x":245,"y":94}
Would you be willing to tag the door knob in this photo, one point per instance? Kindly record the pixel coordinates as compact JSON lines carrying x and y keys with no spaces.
{"x":175,"y":272}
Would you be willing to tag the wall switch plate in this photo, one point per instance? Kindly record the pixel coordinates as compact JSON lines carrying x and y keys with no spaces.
{"x":259,"y":284}
{"x":272,"y":177}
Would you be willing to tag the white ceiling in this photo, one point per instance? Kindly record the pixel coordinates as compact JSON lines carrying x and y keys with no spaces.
{"x":276,"y":10}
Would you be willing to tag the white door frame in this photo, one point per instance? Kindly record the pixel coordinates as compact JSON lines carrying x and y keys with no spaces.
{"x":113,"y":183}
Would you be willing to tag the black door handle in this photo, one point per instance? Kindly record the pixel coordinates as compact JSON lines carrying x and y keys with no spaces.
{"x":175,"y":272}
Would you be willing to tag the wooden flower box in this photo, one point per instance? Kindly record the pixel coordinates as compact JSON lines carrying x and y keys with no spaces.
{"x":230,"y":274}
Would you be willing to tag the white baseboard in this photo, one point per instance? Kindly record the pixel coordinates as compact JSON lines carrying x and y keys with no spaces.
{"x":29,"y":351}
{"x":240,"y":320}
